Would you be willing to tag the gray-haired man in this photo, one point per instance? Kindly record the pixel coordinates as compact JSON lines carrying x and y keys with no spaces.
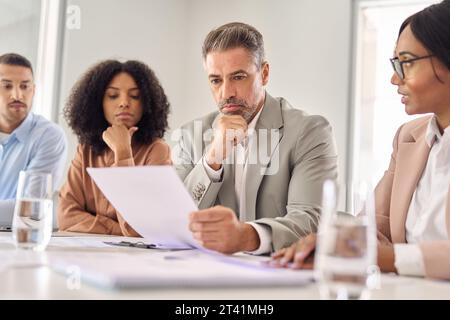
{"x":256,"y":166}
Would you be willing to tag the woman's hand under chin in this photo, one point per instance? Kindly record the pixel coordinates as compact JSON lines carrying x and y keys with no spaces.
{"x":118,"y":138}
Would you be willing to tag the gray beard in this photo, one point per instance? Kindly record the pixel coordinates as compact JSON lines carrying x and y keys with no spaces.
{"x":246,"y":113}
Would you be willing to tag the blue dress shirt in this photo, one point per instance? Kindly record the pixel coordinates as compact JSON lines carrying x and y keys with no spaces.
{"x":37,"y":144}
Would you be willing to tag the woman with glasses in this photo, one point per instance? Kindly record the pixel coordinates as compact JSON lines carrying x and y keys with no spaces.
{"x":118,"y":110}
{"x":412,"y":198}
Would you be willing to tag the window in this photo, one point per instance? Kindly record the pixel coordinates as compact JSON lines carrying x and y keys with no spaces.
{"x":32,"y":28}
{"x":376,"y":109}
{"x":19,"y":27}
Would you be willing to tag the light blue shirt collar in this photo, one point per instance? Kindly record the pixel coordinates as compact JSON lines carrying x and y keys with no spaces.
{"x":22,"y":131}
{"x":4,"y":137}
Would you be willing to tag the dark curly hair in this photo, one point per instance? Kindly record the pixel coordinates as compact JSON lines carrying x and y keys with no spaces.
{"x":431,"y":27}
{"x":84,"y":108}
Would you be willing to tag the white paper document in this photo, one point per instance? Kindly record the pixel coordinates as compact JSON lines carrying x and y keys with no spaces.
{"x":192,"y":268}
{"x":152,"y":199}
{"x":155,"y":202}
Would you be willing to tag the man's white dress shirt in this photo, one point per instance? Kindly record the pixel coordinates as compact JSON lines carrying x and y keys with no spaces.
{"x":240,"y":161}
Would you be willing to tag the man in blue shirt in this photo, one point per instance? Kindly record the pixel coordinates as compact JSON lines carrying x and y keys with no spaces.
{"x":27,"y":141}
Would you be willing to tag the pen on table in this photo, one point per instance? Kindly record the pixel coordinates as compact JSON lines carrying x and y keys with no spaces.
{"x":139,"y":244}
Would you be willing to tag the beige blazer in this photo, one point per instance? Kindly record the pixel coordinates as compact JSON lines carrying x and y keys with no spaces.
{"x":394,"y":192}
{"x":283,"y":189}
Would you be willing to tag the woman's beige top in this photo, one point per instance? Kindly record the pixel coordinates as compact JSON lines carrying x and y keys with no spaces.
{"x":83,"y":207}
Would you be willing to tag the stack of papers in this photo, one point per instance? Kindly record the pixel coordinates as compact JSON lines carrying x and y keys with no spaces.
{"x":154,"y":201}
{"x":191,"y":268}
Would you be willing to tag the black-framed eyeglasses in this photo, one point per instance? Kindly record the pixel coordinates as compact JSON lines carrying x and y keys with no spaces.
{"x":398,"y":65}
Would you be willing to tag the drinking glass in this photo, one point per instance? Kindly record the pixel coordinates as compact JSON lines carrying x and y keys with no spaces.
{"x":33,"y":212}
{"x":345,"y":257}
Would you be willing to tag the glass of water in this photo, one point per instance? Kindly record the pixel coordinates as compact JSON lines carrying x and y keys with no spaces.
{"x":33,"y":212}
{"x":345,"y":260}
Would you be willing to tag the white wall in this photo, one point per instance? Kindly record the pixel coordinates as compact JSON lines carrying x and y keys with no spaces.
{"x":19,"y":27}
{"x":150,"y":31}
{"x":307,"y":46}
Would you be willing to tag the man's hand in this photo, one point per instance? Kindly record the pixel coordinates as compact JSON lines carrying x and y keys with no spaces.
{"x":230,"y":130}
{"x":218,"y":229}
{"x":118,"y":139}
{"x":300,"y":253}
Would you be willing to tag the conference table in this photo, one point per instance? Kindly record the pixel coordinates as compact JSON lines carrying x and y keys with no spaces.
{"x":40,"y":281}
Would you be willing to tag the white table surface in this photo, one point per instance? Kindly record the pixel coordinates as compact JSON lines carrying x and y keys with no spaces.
{"x":40,"y":282}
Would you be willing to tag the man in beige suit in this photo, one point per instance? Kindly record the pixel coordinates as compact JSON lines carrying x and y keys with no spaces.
{"x":413,"y":198}
{"x":256,"y":166}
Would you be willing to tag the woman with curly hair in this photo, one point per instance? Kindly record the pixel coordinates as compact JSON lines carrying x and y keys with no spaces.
{"x":119,"y":113}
